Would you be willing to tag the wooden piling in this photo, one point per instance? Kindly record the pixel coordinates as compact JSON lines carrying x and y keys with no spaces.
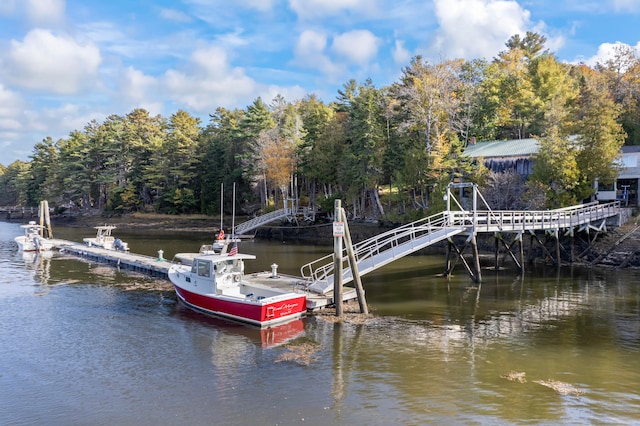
{"x":337,"y":261}
{"x":354,"y":265}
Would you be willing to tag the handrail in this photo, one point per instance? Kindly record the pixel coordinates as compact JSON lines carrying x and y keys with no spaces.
{"x":321,"y":270}
{"x":260,"y":220}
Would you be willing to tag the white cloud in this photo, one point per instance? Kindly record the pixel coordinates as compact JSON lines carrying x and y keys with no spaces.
{"x":310,"y":52}
{"x":358,"y":46}
{"x":174,"y":15}
{"x":307,"y":9}
{"x":268,"y":93}
{"x":626,"y":5}
{"x":310,"y":43}
{"x":401,"y":56}
{"x":60,"y":121}
{"x":10,"y":104}
{"x":137,"y":87}
{"x":8,"y":7}
{"x":261,"y":5}
{"x":477,"y":28}
{"x":45,"y":12}
{"x":209,"y":81}
{"x":607,"y":51}
{"x":54,"y":63}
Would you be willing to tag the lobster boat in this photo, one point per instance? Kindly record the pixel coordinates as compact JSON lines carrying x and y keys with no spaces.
{"x":215,"y":284}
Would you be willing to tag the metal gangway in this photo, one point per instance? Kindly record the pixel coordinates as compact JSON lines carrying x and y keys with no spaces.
{"x":382,"y":249}
{"x":288,"y":212}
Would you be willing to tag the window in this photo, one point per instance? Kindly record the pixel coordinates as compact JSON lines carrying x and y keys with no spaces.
{"x":602,"y":186}
{"x":204,"y":268}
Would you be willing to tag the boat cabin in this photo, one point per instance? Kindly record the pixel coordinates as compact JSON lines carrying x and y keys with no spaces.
{"x":222,"y":271}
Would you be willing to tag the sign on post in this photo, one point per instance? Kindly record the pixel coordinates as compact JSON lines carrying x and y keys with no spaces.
{"x":338,"y":229}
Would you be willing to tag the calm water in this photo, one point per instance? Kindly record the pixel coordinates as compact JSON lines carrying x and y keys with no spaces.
{"x":86,"y":344}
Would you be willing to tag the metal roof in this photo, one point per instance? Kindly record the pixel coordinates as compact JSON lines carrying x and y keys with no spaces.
{"x":504,"y":148}
{"x":628,"y":149}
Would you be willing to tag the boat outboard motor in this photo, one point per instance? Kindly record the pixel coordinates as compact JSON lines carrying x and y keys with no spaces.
{"x":118,"y":244}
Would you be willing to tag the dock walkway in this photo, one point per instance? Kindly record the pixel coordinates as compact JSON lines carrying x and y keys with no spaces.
{"x":160,"y":268}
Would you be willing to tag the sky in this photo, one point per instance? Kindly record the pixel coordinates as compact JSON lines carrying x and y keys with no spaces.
{"x":64,"y":63}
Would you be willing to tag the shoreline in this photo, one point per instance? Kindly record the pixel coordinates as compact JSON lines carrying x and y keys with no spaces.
{"x":618,"y":248}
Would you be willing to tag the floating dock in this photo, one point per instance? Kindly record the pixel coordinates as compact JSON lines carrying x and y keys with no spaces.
{"x":160,"y":268}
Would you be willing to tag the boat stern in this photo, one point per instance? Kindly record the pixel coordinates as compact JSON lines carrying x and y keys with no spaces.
{"x":283,"y":308}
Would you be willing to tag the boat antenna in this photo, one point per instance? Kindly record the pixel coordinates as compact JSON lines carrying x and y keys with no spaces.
{"x":233,"y":212}
{"x":221,"y":204}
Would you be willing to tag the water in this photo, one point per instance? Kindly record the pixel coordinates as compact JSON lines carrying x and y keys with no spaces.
{"x":85,"y":344}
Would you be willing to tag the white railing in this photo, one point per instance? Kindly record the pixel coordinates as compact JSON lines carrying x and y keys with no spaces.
{"x":321,"y":269}
{"x":258,"y":221}
{"x":397,"y":242}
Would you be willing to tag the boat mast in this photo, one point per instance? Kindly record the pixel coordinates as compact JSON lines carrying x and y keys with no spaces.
{"x":221,"y":203}
{"x":233,"y":212}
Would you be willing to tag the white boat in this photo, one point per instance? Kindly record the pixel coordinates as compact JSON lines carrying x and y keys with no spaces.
{"x":215,"y":284}
{"x":32,"y":240}
{"x":105,"y":240}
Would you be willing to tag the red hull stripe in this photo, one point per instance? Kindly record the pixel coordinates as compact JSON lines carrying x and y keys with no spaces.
{"x":249,"y":312}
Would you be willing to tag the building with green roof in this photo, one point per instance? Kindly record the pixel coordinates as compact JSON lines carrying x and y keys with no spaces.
{"x":519,"y":155}
{"x":500,"y":156}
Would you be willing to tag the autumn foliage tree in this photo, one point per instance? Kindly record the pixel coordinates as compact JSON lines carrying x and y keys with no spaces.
{"x":403,"y":142}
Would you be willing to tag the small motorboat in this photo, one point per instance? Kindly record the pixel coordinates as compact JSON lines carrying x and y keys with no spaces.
{"x":33,"y":239}
{"x":215,"y":284}
{"x":105,"y":240}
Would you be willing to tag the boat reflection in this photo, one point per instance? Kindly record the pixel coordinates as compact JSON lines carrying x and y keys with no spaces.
{"x":265,"y":337}
{"x":39,"y":263}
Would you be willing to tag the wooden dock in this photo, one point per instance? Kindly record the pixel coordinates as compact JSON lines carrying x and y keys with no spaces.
{"x":135,"y":262}
{"x":160,"y":268}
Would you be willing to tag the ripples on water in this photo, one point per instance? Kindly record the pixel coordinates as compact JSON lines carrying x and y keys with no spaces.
{"x":84,"y":343}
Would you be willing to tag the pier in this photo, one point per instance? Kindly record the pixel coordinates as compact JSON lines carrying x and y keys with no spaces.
{"x":159,"y":267}
{"x":318,"y":279}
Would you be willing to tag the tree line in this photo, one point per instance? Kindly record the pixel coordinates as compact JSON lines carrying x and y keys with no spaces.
{"x":388,"y":152}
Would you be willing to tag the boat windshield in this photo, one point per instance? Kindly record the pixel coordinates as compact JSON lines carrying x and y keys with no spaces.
{"x":202,"y":267}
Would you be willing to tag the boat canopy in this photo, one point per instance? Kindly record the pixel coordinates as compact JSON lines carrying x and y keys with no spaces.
{"x":215,"y":257}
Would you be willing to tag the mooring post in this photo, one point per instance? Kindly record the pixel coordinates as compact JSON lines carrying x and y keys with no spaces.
{"x":354,"y":265}
{"x":447,"y":260}
{"x":41,"y":216}
{"x":337,"y":259}
{"x":496,"y":261}
{"x":557,"y":234}
{"x":476,"y":258}
{"x":521,"y":246}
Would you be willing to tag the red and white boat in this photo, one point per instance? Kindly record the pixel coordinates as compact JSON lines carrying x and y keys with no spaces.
{"x":215,"y":284}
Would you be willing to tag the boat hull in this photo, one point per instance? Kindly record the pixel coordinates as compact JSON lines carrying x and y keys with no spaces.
{"x":262,"y":314}
{"x":34,"y":244}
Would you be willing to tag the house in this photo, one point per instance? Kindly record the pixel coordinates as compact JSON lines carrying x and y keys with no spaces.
{"x":625,"y":188}
{"x":500,"y":156}
{"x":519,"y":155}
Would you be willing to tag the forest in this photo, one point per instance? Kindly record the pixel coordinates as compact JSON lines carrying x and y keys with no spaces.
{"x":387,"y":152}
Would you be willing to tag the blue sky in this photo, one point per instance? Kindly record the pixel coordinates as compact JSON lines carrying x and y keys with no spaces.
{"x":64,"y":63}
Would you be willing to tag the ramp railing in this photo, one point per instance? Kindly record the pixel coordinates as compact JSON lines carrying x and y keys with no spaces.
{"x":382,"y":249}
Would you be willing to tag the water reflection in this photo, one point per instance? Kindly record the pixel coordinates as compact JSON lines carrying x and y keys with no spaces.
{"x":434,"y":351}
{"x":39,"y":263}
{"x":243,"y":334}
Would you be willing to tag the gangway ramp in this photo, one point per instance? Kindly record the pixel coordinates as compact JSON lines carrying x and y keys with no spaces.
{"x":258,"y":221}
{"x":381,"y":250}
